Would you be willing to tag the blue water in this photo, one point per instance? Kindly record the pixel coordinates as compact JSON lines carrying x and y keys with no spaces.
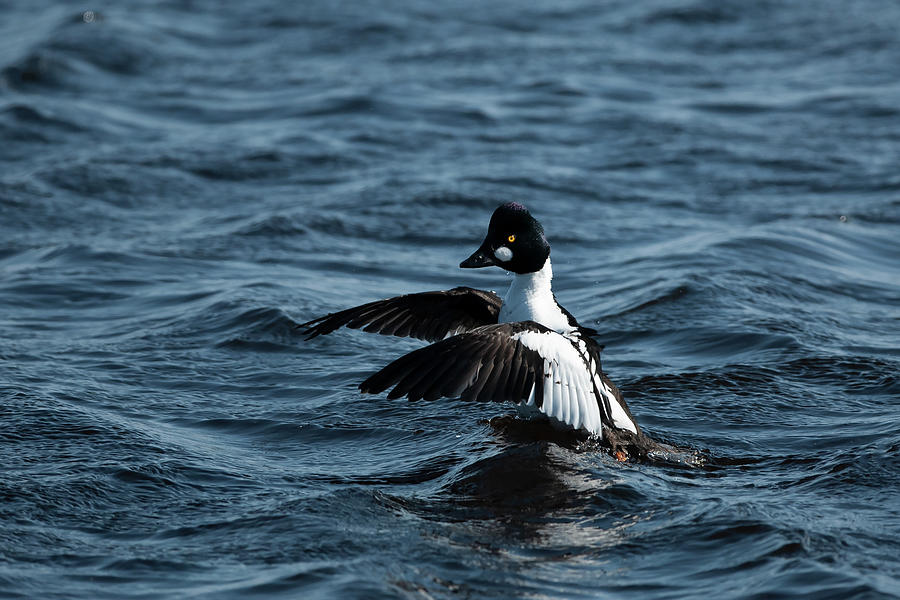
{"x":181,"y":183}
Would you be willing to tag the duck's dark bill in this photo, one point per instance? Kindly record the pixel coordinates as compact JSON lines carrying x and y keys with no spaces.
{"x":480,"y":258}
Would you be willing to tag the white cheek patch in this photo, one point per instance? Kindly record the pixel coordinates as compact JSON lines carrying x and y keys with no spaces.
{"x":503,"y":253}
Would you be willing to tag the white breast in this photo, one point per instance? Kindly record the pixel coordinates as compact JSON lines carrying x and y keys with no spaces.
{"x":530,"y":298}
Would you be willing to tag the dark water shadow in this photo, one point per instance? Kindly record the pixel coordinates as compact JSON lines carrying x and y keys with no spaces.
{"x":535,"y":476}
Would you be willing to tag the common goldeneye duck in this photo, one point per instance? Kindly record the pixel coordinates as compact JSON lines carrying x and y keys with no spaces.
{"x":524,"y":348}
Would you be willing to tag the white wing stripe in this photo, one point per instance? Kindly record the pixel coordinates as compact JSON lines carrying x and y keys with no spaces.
{"x":571,"y":400}
{"x":547,"y":406}
{"x":571,"y":381}
{"x":559,"y":379}
{"x":559,"y":402}
{"x":577,"y":403}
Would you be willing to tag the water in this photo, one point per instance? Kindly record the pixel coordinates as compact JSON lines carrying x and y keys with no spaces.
{"x":182,"y":183}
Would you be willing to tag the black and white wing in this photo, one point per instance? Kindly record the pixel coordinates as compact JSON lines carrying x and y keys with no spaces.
{"x":578,"y":382}
{"x":522,"y":362}
{"x":427,"y":316}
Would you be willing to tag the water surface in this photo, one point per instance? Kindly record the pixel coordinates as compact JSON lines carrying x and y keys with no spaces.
{"x":182,"y":183}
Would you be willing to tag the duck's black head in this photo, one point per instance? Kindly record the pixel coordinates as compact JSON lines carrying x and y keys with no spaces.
{"x":515,"y":241}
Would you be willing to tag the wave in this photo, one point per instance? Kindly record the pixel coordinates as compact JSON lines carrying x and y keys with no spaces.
{"x":25,"y":123}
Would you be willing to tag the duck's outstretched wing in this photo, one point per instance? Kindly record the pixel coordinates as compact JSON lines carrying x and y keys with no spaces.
{"x":427,"y":316}
{"x":522,"y":362}
{"x":606,"y":390}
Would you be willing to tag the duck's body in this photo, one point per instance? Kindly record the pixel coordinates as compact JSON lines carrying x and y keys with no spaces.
{"x":525,"y":348}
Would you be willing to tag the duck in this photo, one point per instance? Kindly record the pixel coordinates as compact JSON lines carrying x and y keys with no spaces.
{"x":524,"y":348}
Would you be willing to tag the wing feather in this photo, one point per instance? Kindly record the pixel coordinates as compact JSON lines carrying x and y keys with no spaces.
{"x":404,"y":326}
{"x":516,"y":377}
{"x":570,"y":383}
{"x":567,"y":381}
{"x":549,"y":406}
{"x":429,"y":316}
{"x":428,"y":379}
{"x":475,"y":365}
{"x":385,"y":321}
{"x":522,"y":362}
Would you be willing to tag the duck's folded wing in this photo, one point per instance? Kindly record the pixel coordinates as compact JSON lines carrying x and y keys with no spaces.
{"x":523,"y":362}
{"x":427,"y":315}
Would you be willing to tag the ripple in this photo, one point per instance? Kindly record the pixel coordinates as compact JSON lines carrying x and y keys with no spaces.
{"x":29,"y":124}
{"x":696,"y":14}
{"x":40,"y":68}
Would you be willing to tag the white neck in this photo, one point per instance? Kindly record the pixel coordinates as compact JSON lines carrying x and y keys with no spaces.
{"x":530,"y":298}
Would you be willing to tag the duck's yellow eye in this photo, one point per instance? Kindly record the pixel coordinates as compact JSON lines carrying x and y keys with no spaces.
{"x":511,"y":238}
